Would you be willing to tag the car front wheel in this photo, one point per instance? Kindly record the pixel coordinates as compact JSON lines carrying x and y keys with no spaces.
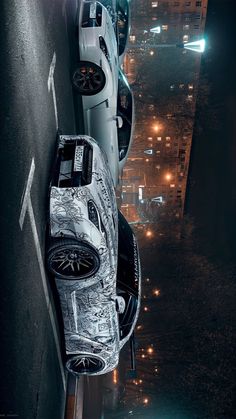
{"x":71,"y":259}
{"x":85,"y":364}
{"x":88,"y":78}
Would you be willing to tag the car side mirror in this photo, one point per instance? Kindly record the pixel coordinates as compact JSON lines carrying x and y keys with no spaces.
{"x":119,"y":121}
{"x":120,"y":304}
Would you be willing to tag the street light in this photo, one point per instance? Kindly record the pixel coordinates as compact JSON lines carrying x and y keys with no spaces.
{"x":168,"y":176}
{"x":156,"y":127}
{"x":196,"y":46}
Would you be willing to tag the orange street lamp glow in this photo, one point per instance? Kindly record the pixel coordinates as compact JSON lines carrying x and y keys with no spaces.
{"x":143,"y":356}
{"x":150,"y":351}
{"x":148,"y":233}
{"x":156,"y":127}
{"x":156,"y":292}
{"x":145,"y":401}
{"x":168,"y":176}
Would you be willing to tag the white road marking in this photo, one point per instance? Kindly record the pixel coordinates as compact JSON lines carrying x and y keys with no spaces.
{"x":27,"y":206}
{"x":45,"y":287}
{"x":51,"y":85}
{"x":26,"y":194}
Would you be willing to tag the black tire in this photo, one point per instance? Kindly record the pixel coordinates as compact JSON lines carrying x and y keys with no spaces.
{"x":88,"y":79}
{"x":71,"y":259}
{"x":85,"y":364}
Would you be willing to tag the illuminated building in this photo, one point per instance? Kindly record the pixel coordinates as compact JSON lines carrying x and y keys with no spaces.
{"x":165,"y":88}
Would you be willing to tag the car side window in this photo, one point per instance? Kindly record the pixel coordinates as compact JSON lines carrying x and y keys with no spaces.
{"x":124,"y":108}
{"x":126,"y":318}
{"x":123,"y":25}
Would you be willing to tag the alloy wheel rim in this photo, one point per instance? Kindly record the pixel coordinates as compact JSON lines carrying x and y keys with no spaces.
{"x":87,"y":79}
{"x":85,"y":364}
{"x":73,"y":262}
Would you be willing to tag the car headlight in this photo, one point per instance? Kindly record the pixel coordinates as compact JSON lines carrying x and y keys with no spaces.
{"x":104,"y":49}
{"x":93,"y":214}
{"x":92,"y":15}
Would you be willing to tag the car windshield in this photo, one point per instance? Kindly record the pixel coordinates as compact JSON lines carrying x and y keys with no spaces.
{"x":123,"y":24}
{"x":124,"y":109}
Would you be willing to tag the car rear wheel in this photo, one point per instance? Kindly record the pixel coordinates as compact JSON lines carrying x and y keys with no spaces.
{"x":71,"y":259}
{"x":85,"y":364}
{"x":88,"y":78}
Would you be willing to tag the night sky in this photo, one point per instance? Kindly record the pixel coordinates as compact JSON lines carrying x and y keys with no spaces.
{"x":192,"y":323}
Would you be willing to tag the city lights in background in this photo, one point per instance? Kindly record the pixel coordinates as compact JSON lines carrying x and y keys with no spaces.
{"x":150,"y":350}
{"x":146,"y":309}
{"x":146,"y":400}
{"x":157,"y":29}
{"x":149,"y":233}
{"x":156,"y":127}
{"x":151,"y":53}
{"x":156,"y":292}
{"x":168,"y":176}
{"x":137,"y":382}
{"x":196,"y":46}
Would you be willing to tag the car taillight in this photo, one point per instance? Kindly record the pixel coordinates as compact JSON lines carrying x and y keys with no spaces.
{"x":92,"y":15}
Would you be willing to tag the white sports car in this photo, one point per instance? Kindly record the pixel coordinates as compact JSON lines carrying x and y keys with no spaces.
{"x":83,"y":214}
{"x":95,"y":77}
{"x":98,"y":312}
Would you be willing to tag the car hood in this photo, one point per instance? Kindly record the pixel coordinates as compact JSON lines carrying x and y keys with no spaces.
{"x":90,"y":318}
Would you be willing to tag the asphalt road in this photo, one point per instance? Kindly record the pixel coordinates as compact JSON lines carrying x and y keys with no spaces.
{"x":37,"y":50}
